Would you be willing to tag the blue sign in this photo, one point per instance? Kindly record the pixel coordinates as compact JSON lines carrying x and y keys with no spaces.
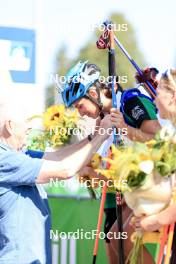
{"x":17,"y":53}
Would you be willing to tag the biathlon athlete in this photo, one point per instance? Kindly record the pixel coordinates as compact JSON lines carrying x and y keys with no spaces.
{"x":92,"y":98}
{"x":166,"y":104}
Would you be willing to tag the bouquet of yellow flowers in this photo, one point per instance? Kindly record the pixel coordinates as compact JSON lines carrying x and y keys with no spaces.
{"x":59,"y":124}
{"x":148,"y":170}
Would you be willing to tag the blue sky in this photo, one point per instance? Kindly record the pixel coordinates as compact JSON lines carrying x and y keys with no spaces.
{"x":69,"y":22}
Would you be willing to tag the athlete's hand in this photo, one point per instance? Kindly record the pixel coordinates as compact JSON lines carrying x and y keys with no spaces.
{"x":154,"y":222}
{"x":147,"y":223}
{"x":117,"y":118}
{"x":148,"y":74}
{"x":106,"y":126}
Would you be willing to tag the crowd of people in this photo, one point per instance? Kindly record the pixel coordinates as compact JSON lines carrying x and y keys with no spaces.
{"x":25,"y":220}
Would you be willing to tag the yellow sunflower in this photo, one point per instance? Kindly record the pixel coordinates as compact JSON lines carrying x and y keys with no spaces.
{"x":72,"y":115}
{"x":53,"y":116}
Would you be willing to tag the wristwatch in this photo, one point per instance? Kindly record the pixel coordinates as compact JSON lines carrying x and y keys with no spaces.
{"x":90,"y":137}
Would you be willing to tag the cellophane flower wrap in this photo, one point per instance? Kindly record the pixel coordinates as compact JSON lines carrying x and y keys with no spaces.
{"x":147,"y":169}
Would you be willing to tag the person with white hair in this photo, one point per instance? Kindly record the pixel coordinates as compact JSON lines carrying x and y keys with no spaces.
{"x":24,"y":213}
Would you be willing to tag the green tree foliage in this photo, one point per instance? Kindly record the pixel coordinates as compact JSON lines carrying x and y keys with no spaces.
{"x":100,"y":57}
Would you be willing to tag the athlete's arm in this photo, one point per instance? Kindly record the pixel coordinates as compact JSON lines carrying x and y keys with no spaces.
{"x":147,"y":131}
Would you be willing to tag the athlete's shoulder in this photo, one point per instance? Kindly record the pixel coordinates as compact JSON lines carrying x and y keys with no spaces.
{"x":133,"y":96}
{"x":137,"y":106}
